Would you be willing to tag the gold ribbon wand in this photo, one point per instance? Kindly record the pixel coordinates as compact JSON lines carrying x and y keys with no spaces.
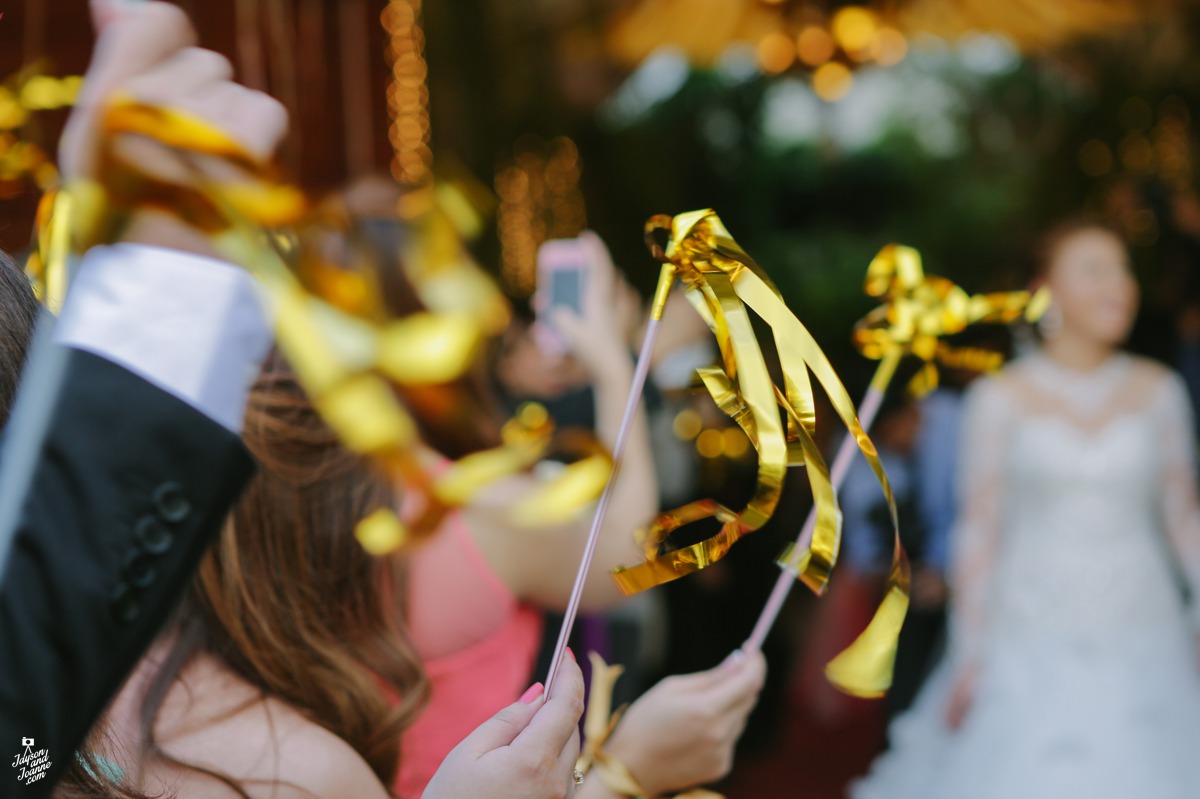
{"x":918,"y":310}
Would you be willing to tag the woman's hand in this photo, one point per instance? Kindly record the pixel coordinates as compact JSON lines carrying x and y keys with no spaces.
{"x":962,"y":695}
{"x":600,"y":339}
{"x":526,"y":751}
{"x":682,"y":732}
{"x":148,"y":51}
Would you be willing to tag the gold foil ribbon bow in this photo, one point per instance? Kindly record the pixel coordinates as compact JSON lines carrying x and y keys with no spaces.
{"x":724,"y":284}
{"x":22,"y":95}
{"x":920,"y":310}
{"x":599,"y":722}
{"x":347,"y":364}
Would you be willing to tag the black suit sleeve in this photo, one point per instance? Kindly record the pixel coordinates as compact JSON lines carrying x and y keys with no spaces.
{"x":131,"y":485}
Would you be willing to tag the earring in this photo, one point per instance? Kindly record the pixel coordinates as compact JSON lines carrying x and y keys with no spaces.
{"x":1051,"y":323}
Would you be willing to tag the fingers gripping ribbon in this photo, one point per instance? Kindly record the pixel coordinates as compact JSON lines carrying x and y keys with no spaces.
{"x":353,"y":360}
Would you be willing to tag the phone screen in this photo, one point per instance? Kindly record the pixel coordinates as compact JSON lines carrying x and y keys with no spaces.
{"x":566,"y":289}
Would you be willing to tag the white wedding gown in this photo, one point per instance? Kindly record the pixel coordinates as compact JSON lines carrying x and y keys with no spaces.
{"x":1080,"y":525}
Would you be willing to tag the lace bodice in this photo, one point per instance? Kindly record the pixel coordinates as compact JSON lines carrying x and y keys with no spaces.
{"x":1079,"y":505}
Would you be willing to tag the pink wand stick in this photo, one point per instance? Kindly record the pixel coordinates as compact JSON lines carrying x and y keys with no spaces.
{"x":640,"y":373}
{"x":867,"y":412}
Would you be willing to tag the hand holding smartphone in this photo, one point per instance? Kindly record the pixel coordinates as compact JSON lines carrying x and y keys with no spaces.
{"x":565,"y":273}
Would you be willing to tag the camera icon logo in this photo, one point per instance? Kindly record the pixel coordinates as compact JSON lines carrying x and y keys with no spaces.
{"x":26,"y":742}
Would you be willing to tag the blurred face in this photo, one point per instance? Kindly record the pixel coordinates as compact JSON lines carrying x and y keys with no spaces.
{"x":1093,"y":286}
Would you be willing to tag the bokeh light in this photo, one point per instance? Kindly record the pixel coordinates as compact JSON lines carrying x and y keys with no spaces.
{"x":888,"y":47}
{"x":832,"y":81}
{"x":853,"y":27}
{"x":815,"y":46}
{"x":776,"y":52}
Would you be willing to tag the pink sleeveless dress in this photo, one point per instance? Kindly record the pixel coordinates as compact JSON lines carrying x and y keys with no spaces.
{"x":478,"y":644}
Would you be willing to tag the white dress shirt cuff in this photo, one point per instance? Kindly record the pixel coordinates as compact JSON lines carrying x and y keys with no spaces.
{"x":193,"y":326}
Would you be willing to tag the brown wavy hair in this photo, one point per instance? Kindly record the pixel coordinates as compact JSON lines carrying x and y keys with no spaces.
{"x":261,"y":600}
{"x":18,"y":316}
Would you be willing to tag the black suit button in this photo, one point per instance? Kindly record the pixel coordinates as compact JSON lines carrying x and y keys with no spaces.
{"x":138,"y":569}
{"x":173,"y":506}
{"x":153,"y":536}
{"x":125,"y":607}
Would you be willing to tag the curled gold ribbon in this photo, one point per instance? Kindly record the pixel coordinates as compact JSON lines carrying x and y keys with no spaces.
{"x":21,"y":96}
{"x":919,"y":310}
{"x":350,"y":364}
{"x":599,"y":722}
{"x":724,"y":284}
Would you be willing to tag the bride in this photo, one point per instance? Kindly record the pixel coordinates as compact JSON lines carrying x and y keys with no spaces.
{"x":1073,"y":668}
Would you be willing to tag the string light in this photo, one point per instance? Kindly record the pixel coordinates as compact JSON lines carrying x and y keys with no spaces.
{"x":539,"y":200}
{"x":407,"y":93}
{"x":855,"y":35}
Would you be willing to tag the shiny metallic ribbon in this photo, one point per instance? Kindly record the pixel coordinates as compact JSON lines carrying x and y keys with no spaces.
{"x":21,"y":96}
{"x":724,"y":284}
{"x":347,"y":364}
{"x":919,"y":310}
{"x":599,"y":722}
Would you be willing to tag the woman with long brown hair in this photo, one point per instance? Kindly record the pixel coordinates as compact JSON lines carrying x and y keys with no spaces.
{"x":287,"y":671}
{"x":286,"y":629}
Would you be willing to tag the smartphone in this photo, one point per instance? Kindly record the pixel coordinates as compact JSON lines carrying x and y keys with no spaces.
{"x":563,"y":267}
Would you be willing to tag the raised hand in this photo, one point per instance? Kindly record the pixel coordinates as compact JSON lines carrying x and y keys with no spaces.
{"x":147,"y":50}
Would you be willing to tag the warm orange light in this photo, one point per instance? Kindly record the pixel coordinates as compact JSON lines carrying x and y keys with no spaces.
{"x":734,"y":442}
{"x":687,"y":424}
{"x":853,"y":27}
{"x":407,"y":94}
{"x":815,"y":46}
{"x":710,"y":443}
{"x":888,"y":47}
{"x":832,"y":81}
{"x":776,"y":52}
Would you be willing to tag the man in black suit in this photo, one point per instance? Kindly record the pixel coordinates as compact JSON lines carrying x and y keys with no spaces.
{"x":140,"y":461}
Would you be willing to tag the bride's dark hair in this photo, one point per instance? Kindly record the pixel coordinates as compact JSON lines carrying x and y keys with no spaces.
{"x":1047,"y":246}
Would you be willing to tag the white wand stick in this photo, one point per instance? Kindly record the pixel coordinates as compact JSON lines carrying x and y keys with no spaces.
{"x":841,"y":467}
{"x":640,"y":372}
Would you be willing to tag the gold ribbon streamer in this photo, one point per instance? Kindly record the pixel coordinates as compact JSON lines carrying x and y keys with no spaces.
{"x":919,"y":310}
{"x":598,"y":725}
{"x":21,"y":96}
{"x":348,"y":365}
{"x":724,"y":284}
